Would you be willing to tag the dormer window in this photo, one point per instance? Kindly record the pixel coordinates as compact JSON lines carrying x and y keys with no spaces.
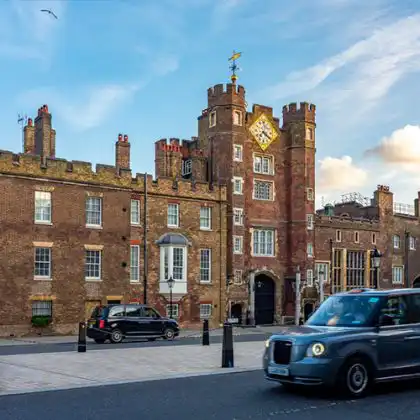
{"x":237,"y":118}
{"x":212,"y":119}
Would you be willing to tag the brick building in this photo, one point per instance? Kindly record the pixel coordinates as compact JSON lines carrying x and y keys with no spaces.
{"x":231,"y":217}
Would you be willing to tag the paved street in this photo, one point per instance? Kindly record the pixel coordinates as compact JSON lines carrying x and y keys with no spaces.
{"x":240,"y":396}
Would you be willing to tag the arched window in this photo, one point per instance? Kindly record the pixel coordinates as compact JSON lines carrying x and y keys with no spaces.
{"x":173,"y":262}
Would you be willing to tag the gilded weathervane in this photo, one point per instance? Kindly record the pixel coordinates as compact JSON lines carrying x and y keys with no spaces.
{"x":234,"y":67}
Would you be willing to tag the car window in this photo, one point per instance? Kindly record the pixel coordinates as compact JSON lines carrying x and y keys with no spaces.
{"x":98,"y":312}
{"x":117,"y":311}
{"x":414,"y":311}
{"x":396,"y":308}
{"x":150,"y":313}
{"x":134,"y":311}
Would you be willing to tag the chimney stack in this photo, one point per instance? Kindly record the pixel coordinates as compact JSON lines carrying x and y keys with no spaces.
{"x":44,"y":133}
{"x":122,"y":152}
{"x":29,"y":137}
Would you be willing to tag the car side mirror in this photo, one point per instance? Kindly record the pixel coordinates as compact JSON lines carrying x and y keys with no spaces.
{"x":385,"y":320}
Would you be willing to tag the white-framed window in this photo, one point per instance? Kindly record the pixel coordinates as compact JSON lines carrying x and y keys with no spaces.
{"x":238,"y":244}
{"x":310,"y":250}
{"x":309,"y":133}
{"x":373,"y":238}
{"x":237,"y":118}
{"x":238,"y":217}
{"x":263,"y":242}
{"x":93,"y":263}
{"x":212,"y":119}
{"x":93,"y":211}
{"x":238,"y":185}
{"x":175,"y":311}
{"x":42,"y":207}
{"x":338,"y":236}
{"x":42,"y":308}
{"x":310,"y":196}
{"x":42,"y":263}
{"x":396,"y":241}
{"x":237,"y":277}
{"x":263,"y":165}
{"x":237,"y":152}
{"x":356,"y":237}
{"x":205,"y":218}
{"x":412,"y":243}
{"x":205,"y":265}
{"x":263,"y":190}
{"x":309,"y":277}
{"x":173,"y":263}
{"x":173,"y":215}
{"x":135,"y":263}
{"x":310,"y":221}
{"x":397,"y":274}
{"x":135,"y":212}
{"x":186,"y":167}
{"x":322,"y":269}
{"x":205,"y":310}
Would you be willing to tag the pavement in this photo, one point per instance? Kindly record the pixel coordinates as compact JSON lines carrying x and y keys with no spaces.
{"x":22,"y":373}
{"x":240,"y":396}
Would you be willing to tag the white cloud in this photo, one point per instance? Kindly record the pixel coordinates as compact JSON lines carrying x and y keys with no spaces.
{"x":78,"y":110}
{"x":165,"y":64}
{"x":339,"y":175}
{"x":373,"y":66}
{"x":402,"y":148}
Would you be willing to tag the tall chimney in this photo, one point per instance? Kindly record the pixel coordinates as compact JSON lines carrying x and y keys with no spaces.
{"x":122,"y":152}
{"x":29,"y":137}
{"x":44,"y":134}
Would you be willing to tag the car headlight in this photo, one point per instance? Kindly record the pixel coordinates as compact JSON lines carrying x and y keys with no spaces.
{"x":267,"y":343}
{"x":315,"y":350}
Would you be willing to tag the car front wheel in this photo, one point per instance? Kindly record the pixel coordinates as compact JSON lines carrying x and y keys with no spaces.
{"x":169,"y":334}
{"x":116,"y":336}
{"x":355,"y":378}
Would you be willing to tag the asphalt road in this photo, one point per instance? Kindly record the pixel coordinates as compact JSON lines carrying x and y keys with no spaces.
{"x":236,"y":396}
{"x":92,"y":346}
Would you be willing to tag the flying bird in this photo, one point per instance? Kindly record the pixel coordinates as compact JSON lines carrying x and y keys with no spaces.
{"x":50,"y":12}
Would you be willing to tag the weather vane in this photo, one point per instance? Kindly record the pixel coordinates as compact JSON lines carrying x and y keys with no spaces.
{"x":234,"y":67}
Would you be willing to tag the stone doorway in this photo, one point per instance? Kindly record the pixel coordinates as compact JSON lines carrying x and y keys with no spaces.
{"x":265,"y":299}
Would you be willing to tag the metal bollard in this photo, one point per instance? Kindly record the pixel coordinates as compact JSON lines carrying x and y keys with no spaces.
{"x":227,"y":347}
{"x":81,"y":342}
{"x":206,"y":334}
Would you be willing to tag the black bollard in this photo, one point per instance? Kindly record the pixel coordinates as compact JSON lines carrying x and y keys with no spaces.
{"x":227,"y":347}
{"x":81,"y":342}
{"x":206,"y":335}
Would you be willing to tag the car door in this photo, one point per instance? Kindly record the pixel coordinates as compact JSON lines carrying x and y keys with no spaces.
{"x":134,"y":318}
{"x":414,"y":338}
{"x":393,"y":341}
{"x":155,"y":321}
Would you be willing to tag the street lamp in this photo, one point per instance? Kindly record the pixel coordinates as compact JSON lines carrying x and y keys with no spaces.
{"x":297,"y":288}
{"x":376,"y":262}
{"x":171,"y":283}
{"x":320,"y":285}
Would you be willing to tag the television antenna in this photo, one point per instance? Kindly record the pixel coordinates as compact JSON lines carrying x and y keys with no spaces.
{"x":22,"y":120}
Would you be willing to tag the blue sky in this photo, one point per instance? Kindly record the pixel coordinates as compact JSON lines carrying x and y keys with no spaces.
{"x":142,"y":67}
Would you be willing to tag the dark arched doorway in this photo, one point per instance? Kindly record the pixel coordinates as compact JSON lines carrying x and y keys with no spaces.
{"x":308,"y":309}
{"x":265,"y":299}
{"x":236,"y":312}
{"x":416,"y":283}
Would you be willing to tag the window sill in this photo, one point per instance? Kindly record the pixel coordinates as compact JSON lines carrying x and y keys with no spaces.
{"x":263,"y":199}
{"x":173,"y":226}
{"x":92,"y":280}
{"x":263,"y":256}
{"x":93,"y":227}
{"x":135,"y":224}
{"x":134,"y":281}
{"x":206,"y":229}
{"x":237,"y":193}
{"x":209,"y":283}
{"x":39,"y":222}
{"x":42,"y":278}
{"x":237,"y":253}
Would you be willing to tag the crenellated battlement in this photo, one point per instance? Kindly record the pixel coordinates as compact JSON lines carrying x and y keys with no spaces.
{"x":33,"y":166}
{"x":169,"y":145}
{"x":226,"y":94}
{"x":304,"y":112}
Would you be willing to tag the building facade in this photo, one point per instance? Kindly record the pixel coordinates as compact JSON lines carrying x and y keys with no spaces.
{"x":230,"y":217}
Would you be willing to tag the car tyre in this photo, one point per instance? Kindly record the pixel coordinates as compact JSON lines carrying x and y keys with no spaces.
{"x":116,"y":336}
{"x":168,"y":334}
{"x":355,"y":378}
{"x":99,"y":341}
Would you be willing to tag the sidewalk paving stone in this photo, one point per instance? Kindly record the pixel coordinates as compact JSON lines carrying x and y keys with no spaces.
{"x":39,"y":372}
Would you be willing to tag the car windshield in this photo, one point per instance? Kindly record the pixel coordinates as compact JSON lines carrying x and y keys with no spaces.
{"x":346,"y":311}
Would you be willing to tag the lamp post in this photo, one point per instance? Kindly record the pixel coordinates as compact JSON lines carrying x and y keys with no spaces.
{"x":376,"y":262}
{"x":171,"y":283}
{"x":297,"y":296}
{"x":320,"y":285}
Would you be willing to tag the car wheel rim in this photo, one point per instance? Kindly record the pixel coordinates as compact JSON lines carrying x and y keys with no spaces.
{"x":169,"y":334}
{"x":116,"y":336}
{"x":357,"y":378}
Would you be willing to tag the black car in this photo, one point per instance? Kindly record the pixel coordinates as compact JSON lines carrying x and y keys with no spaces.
{"x":116,"y":322}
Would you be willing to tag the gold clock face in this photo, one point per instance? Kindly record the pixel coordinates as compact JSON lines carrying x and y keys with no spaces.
{"x":263,"y":132}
